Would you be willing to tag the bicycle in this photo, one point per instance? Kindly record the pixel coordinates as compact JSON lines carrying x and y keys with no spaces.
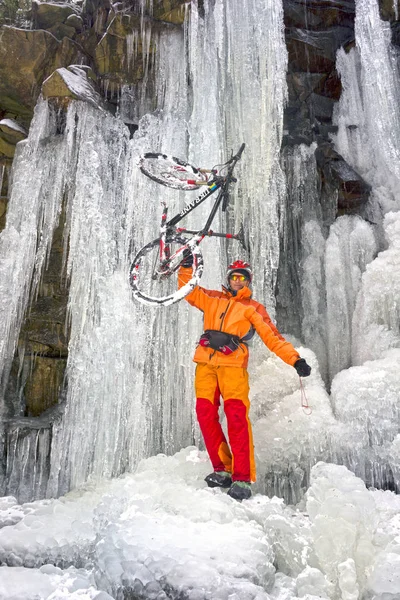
{"x":151,"y":269}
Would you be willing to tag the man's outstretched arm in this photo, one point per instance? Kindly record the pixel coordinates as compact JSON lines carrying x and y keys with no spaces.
{"x":279,"y":345}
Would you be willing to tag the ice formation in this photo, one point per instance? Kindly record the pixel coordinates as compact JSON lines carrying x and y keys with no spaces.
{"x":162,"y":534}
{"x":350,"y":247}
{"x":38,"y":175}
{"x":376,"y":321}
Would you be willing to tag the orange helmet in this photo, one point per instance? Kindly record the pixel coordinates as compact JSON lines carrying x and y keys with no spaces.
{"x":239,"y":266}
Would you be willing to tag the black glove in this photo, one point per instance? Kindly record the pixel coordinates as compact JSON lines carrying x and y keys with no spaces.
{"x":187,"y":260}
{"x":302,"y":368}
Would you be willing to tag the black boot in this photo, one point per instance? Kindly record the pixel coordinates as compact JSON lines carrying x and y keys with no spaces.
{"x":220,"y":479}
{"x":240,"y":490}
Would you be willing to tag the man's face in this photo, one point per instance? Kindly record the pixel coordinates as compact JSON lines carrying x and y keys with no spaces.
{"x":237,"y":281}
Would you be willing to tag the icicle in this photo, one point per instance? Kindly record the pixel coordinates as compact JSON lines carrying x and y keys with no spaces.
{"x":301,"y":204}
{"x":27,"y":458}
{"x":132,"y":44}
{"x":242,"y":47}
{"x":376,"y":321}
{"x":349,"y":248}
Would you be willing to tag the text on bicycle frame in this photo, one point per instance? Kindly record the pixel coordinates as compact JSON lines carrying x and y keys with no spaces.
{"x":196,"y":201}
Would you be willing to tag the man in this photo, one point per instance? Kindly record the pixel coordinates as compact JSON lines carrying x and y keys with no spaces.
{"x":230,"y":319}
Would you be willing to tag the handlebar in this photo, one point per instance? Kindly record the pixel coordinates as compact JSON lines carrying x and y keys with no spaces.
{"x":240,"y":152}
{"x":232,"y":161}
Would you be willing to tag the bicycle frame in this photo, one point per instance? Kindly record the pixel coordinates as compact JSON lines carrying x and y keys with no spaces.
{"x":217,"y":183}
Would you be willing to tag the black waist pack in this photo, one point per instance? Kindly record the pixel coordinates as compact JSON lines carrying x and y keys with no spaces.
{"x":219,"y":340}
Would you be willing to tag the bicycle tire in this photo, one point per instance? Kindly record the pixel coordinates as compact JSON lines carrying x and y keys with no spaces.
{"x":137,"y":279}
{"x":171,"y":171}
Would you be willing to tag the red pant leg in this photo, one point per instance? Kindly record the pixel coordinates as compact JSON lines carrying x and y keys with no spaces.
{"x":241,"y":440}
{"x":234,"y":385}
{"x":208,"y":418}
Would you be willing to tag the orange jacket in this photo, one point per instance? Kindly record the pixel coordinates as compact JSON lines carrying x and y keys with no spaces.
{"x":235,"y":315}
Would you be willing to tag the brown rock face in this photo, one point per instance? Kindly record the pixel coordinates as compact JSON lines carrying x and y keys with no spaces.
{"x":116,"y":54}
{"x":4,"y":173}
{"x":39,"y":367}
{"x":26,"y":59}
{"x":3,"y":209}
{"x":352,"y":190}
{"x":171,"y":11}
{"x":47,"y":15}
{"x":10,"y":134}
{"x":318,"y":15}
{"x":389,"y":9}
{"x":315,"y":30}
{"x":43,"y":387}
{"x":315,"y":51}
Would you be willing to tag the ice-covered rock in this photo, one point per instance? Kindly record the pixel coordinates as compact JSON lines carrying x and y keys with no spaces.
{"x":48,"y":583}
{"x":11,"y":133}
{"x":312,"y":582}
{"x":367,"y":397}
{"x":348,"y":580}
{"x":73,"y":84}
{"x":289,"y":436}
{"x":376,"y":321}
{"x":384,"y":582}
{"x":10,"y":511}
{"x":12,"y":128}
{"x":161,"y":533}
{"x":289,"y":532}
{"x":161,"y":529}
{"x":344,"y":517}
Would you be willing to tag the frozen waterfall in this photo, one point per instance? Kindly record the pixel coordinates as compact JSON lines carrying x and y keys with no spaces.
{"x":115,"y":372}
{"x":143,"y":525}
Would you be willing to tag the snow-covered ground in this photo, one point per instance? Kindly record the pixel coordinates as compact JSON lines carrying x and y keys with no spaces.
{"x":161,"y":533}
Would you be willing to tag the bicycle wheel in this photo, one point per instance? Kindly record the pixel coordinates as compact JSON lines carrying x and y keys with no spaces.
{"x":152,"y":286}
{"x":170,"y":171}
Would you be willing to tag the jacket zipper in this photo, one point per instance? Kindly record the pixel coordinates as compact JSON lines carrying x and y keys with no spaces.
{"x":222,"y":317}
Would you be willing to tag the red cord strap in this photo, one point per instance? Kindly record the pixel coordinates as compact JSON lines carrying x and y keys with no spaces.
{"x":304,"y":401}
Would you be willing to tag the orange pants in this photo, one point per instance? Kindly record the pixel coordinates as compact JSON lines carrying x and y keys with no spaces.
{"x":233,"y":384}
